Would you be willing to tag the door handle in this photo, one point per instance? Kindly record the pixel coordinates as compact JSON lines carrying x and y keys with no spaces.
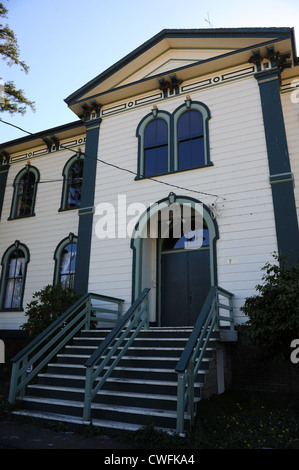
{"x":190,"y":297}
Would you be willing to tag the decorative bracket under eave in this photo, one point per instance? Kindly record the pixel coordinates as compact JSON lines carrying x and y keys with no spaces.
{"x":4,"y":158}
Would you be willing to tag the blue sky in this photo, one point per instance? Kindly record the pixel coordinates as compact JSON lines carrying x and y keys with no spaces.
{"x":66,"y":43}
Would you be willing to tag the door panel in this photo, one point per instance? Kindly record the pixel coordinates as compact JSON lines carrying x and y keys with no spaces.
{"x":199,"y":281}
{"x":174,"y":289}
{"x":185,"y":282}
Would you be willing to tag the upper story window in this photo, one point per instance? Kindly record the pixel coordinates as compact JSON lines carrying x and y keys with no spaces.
{"x":24,"y":196}
{"x":153,"y":135}
{"x":65,"y":262}
{"x":72,"y":183}
{"x":156,"y":148}
{"x":190,"y":140}
{"x":177,"y":142}
{"x":14,"y":265}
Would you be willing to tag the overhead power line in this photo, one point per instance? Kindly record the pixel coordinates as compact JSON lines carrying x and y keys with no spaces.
{"x":118,"y":168}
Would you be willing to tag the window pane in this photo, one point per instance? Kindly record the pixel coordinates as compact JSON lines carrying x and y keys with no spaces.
{"x":197,"y":153}
{"x":155,"y":133}
{"x":16,"y":300}
{"x":74,"y":186}
{"x":14,"y":280}
{"x":67,"y":265}
{"x":183,"y":126}
{"x":196,"y":128}
{"x":149,"y":134}
{"x":195,"y":239}
{"x":161,"y":129}
{"x":162,"y":160}
{"x":149,"y":162}
{"x":9,"y":293}
{"x":185,"y":155}
{"x":25,"y":194}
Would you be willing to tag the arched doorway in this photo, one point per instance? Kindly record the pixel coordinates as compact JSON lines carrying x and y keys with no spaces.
{"x":180,"y":267}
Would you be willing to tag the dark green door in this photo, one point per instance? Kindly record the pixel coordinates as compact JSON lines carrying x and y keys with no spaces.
{"x":184,"y":283}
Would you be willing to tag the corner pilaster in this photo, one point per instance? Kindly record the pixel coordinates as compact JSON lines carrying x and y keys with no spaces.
{"x":87,"y":206}
{"x":280,"y":177}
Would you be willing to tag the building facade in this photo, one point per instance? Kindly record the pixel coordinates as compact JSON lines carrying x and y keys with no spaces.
{"x":201,"y":121}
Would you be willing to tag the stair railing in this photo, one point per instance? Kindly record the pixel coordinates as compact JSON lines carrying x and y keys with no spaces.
{"x":211,"y":318}
{"x":102,"y":362}
{"x":45,"y":346}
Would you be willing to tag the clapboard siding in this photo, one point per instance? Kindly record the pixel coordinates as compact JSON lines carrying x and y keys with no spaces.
{"x":41,"y":233}
{"x":239,"y":176}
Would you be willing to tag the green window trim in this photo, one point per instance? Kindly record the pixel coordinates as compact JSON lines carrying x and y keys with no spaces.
{"x":172,"y":122}
{"x":17,"y":246}
{"x":206,"y":115}
{"x":140,"y":132}
{"x":71,"y":239}
{"x":65,"y":173}
{"x":14,"y":205}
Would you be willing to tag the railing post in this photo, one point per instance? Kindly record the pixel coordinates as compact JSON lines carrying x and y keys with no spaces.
{"x":181,"y":402}
{"x":87,"y":398}
{"x":88,"y":313}
{"x":119,"y":310}
{"x":146,"y":312}
{"x":231,"y":312}
{"x":13,"y":383}
{"x":190,"y":382}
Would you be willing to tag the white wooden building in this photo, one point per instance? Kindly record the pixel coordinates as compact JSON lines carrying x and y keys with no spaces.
{"x":244,"y":172}
{"x":206,"y":119}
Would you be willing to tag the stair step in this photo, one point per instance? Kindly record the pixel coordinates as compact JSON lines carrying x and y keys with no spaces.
{"x":128,"y":398}
{"x":137,"y":415}
{"x":115,"y":425}
{"x":142,"y":386}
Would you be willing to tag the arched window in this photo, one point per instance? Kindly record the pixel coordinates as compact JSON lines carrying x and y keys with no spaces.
{"x":72,"y":183}
{"x":65,"y":262}
{"x":191,"y":136}
{"x":14,"y":266}
{"x":153,"y":134}
{"x":168,"y":143}
{"x":25,"y":188}
{"x":190,"y":140}
{"x":156,"y":148}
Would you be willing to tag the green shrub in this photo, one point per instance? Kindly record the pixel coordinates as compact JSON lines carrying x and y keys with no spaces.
{"x":48,"y":304}
{"x":274,"y":313}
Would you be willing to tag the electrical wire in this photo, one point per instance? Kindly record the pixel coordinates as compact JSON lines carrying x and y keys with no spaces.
{"x":117,"y":167}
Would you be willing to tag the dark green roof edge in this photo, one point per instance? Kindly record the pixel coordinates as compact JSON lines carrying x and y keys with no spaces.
{"x":180,"y":33}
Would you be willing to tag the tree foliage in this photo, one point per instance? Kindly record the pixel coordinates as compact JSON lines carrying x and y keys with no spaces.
{"x":47,"y":305}
{"x":14,"y":99}
{"x":274,"y":313}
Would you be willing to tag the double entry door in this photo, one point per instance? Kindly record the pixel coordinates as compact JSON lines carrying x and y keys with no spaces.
{"x":185,"y":281}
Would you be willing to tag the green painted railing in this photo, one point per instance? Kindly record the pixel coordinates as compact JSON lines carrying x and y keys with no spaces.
{"x":44,"y":347}
{"x":102,"y":362}
{"x":212,"y":317}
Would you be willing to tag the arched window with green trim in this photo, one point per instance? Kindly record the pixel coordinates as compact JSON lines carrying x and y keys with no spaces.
{"x":24,"y":196}
{"x":153,"y":134}
{"x":14,"y":267}
{"x":72,"y":183}
{"x":191,"y":136}
{"x":169,"y":143}
{"x":65,"y":262}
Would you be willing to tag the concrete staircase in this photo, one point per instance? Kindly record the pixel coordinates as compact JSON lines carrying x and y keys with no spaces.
{"x":142,"y":387}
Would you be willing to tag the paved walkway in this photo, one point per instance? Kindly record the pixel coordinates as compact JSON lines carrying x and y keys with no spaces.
{"x":14,"y":435}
